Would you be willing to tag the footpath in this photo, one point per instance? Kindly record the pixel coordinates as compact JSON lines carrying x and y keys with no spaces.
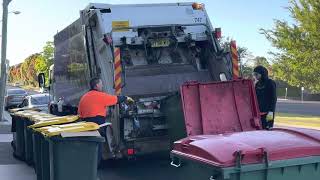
{"x":11,"y":168}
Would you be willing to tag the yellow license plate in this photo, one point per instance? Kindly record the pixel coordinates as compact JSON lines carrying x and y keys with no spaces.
{"x":160,"y":43}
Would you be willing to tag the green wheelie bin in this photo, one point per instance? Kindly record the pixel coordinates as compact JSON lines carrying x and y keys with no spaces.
{"x":19,"y":123}
{"x":279,"y":154}
{"x":41,"y":156}
{"x":27,"y":141}
{"x":73,"y":157}
{"x":19,"y":136}
{"x":225,"y":140}
{"x":30,"y":120}
{"x":38,"y":149}
{"x":26,"y":120}
{"x":41,"y":145}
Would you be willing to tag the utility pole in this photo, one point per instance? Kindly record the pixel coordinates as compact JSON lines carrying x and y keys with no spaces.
{"x":286,"y":95}
{"x":302,"y":93}
{"x":3,"y":55}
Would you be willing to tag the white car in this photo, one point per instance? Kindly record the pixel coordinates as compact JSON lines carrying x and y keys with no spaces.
{"x":17,"y":84}
{"x":39,"y":101}
{"x":14,"y":97}
{"x":43,"y":90}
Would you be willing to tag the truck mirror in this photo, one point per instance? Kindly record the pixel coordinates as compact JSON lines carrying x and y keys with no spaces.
{"x":41,"y":80}
{"x":218,"y":33}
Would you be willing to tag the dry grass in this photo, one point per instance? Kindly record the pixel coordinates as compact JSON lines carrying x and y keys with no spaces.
{"x":294,"y":120}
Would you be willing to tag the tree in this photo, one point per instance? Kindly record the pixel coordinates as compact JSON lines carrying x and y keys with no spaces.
{"x":47,"y":53}
{"x":298,"y":60}
{"x":40,"y":64}
{"x":32,"y":66}
{"x":246,"y":71}
{"x":43,"y":64}
{"x":28,"y":69}
{"x":244,"y":54}
{"x":261,"y":61}
{"x":14,"y":73}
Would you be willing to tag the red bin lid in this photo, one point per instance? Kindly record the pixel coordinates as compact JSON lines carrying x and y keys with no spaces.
{"x":279,"y":144}
{"x":214,"y":108}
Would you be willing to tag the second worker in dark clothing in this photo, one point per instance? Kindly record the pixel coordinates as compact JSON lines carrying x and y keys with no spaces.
{"x":267,"y":96}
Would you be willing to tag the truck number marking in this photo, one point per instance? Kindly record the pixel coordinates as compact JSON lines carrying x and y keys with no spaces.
{"x":198,"y":20}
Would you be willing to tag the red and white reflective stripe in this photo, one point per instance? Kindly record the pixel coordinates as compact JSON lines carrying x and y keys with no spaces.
{"x":235,"y":60}
{"x":117,"y":71}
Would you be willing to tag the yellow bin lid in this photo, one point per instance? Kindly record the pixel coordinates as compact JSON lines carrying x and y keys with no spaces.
{"x":38,"y":117}
{"x":73,"y":127}
{"x":22,"y":109}
{"x":45,"y":128}
{"x":26,"y":113}
{"x":54,"y":121}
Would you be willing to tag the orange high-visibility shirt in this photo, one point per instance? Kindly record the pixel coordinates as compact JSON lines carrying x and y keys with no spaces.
{"x":94,"y":103}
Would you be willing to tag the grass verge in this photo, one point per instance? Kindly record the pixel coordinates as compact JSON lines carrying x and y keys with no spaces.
{"x":297,"y":120}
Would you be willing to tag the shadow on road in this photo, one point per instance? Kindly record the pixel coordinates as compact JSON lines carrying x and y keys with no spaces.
{"x":146,"y":168}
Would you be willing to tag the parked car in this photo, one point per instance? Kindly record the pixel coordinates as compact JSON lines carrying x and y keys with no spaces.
{"x":43,"y":90}
{"x":14,"y":97}
{"x":39,"y":101}
{"x":17,"y":84}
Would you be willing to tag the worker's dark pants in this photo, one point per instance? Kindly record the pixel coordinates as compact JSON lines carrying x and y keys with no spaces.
{"x":266,"y":124}
{"x":99,"y":120}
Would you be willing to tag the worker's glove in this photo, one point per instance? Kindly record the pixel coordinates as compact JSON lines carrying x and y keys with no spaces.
{"x":270,"y":116}
{"x":129,"y":99}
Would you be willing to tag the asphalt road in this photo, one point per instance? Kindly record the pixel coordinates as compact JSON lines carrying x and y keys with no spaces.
{"x":155,"y":168}
{"x":298,"y":107}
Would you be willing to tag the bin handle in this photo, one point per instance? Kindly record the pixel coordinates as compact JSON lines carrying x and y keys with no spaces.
{"x":240,"y":155}
{"x":174,"y":164}
{"x":255,"y":152}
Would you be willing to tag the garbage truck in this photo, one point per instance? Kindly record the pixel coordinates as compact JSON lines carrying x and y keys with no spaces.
{"x":146,"y":51}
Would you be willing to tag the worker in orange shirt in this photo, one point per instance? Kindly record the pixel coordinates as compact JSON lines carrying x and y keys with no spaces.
{"x":93,"y":105}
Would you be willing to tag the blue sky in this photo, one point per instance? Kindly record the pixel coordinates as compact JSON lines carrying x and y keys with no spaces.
{"x":40,"y":20}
